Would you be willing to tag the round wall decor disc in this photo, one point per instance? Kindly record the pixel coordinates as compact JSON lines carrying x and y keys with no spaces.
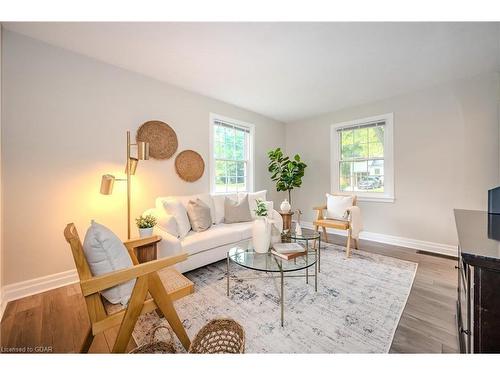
{"x":161,"y":138}
{"x":189,"y":165}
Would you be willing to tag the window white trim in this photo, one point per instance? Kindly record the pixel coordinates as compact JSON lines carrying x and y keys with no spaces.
{"x":388,"y":194}
{"x":251,"y":162}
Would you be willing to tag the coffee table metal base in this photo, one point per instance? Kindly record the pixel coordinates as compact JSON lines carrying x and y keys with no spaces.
{"x":282,"y":277}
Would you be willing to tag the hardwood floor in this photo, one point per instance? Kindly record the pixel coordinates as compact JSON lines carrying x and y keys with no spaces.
{"x":54,"y":321}
{"x":57,"y":320}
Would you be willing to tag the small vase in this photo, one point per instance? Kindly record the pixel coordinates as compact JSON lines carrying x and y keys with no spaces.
{"x":261,"y":234}
{"x":285,"y":206}
{"x":298,"y":229}
{"x":145,"y":232}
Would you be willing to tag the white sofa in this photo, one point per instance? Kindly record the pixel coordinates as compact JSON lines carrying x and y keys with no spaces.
{"x":213,"y":244}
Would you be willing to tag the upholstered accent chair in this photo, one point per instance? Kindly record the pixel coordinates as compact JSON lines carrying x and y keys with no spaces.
{"x":348,"y":220}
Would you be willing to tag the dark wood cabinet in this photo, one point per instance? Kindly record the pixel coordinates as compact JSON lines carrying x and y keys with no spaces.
{"x":478,"y":299}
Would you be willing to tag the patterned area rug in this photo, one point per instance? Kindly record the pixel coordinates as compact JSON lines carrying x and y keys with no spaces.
{"x":356,"y":309}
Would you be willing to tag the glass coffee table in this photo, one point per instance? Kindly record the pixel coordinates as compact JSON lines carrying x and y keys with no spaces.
{"x":304,"y":239}
{"x":243,"y":255}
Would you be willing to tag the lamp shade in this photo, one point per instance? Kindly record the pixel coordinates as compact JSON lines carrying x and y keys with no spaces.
{"x":143,"y":150}
{"x":107,"y":182}
{"x":133,"y":165}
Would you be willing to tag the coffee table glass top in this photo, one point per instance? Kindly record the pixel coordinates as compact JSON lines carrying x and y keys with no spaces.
{"x":303,"y":236}
{"x":244,"y":255}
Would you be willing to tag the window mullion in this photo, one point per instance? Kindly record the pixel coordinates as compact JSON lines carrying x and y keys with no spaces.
{"x":234,"y":157}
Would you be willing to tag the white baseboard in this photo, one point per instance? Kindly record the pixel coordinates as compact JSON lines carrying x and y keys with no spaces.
{"x":431,"y":247}
{"x":11,"y":292}
{"x":3,"y":304}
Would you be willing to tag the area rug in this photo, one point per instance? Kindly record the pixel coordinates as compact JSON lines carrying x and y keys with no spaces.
{"x":356,"y":309}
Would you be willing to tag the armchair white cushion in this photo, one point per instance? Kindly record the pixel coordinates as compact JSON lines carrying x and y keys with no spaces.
{"x":106,"y":253}
{"x":337,"y":205}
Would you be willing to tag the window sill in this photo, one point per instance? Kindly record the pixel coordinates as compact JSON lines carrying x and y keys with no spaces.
{"x":384,"y":199}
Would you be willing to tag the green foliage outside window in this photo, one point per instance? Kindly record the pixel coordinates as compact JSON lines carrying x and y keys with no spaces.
{"x":230,"y":152}
{"x":358,"y":146}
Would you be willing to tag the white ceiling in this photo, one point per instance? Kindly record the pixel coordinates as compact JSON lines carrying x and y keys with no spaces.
{"x":286,"y":71}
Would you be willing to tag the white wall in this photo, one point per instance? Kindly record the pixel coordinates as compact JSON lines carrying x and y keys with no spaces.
{"x":446,"y":142}
{"x":1,"y":192}
{"x":64,"y":120}
{"x":64,"y":124}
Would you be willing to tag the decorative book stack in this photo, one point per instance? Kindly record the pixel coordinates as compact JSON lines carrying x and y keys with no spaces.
{"x":288,"y":251}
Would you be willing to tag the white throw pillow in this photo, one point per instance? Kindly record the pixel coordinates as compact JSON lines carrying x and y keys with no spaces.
{"x":167,"y":223}
{"x":184,"y":199}
{"x":336,"y":206}
{"x":106,"y":253}
{"x":164,"y":221}
{"x":252,"y":200}
{"x":175,"y":208}
{"x":218,"y":203}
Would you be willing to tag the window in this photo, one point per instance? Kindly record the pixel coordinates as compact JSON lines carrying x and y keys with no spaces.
{"x":362,"y":158}
{"x":231,"y":155}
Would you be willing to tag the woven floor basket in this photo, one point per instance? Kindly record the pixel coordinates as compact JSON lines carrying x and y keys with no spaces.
{"x":219,"y":336}
{"x":157,"y":347}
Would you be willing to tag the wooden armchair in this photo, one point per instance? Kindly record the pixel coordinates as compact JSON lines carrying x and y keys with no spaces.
{"x":147,"y":280}
{"x":346,"y":224}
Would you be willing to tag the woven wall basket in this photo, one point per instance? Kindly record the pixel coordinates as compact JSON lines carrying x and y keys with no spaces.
{"x":189,"y":165}
{"x":161,"y":137}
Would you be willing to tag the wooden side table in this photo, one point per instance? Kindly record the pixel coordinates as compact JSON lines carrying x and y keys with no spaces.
{"x":176,"y":284}
{"x":146,"y":250}
{"x":287,"y":220}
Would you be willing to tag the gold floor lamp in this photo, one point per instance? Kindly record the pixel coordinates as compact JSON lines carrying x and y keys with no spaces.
{"x":108,"y":180}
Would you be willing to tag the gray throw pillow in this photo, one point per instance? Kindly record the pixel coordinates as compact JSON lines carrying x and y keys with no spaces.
{"x":235,"y":212}
{"x":199,"y":215}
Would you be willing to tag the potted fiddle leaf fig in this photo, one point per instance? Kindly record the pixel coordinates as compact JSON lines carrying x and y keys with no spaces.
{"x":145,"y":225}
{"x":286,"y":172}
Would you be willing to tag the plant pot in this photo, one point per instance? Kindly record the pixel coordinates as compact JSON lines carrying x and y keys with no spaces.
{"x":145,"y":232}
{"x":261,"y":235}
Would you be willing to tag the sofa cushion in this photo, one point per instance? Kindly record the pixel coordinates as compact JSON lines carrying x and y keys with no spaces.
{"x":199,"y":215}
{"x":236,"y":212}
{"x":244,"y":229}
{"x":217,"y":235}
{"x":218,"y":201}
{"x":106,"y":253}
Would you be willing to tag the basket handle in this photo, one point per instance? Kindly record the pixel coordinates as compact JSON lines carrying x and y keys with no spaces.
{"x":155,"y":330}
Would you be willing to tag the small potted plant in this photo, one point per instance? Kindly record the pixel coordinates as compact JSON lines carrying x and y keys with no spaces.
{"x":261,"y":228}
{"x":145,"y":225}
